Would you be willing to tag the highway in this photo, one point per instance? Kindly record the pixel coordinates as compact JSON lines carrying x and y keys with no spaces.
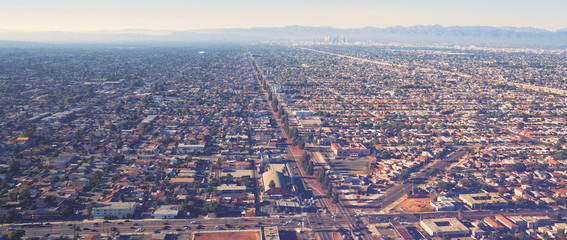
{"x":151,"y":225}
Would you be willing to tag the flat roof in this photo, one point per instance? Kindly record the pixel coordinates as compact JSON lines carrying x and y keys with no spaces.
{"x":480,"y":198}
{"x":444,"y":225}
{"x":287,"y":204}
{"x":114,"y":205}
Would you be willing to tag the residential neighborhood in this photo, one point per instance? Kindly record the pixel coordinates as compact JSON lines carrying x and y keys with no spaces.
{"x":292,"y":141}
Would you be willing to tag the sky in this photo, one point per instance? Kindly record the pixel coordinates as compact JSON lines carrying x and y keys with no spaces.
{"x":176,"y":15}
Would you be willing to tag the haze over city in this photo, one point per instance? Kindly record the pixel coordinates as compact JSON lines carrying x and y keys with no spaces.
{"x":178,"y":15}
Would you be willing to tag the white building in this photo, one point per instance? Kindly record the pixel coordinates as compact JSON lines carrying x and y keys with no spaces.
{"x":166,"y":212}
{"x":444,"y":227}
{"x":483,"y":200}
{"x":443,"y":204}
{"x":113,"y":209}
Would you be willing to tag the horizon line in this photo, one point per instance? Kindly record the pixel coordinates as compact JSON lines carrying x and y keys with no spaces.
{"x":264,"y":27}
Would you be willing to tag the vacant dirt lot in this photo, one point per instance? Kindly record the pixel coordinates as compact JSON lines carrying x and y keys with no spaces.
{"x":248,"y":235}
{"x":420,"y":204}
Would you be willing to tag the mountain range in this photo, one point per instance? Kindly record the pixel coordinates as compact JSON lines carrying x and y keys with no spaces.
{"x":420,"y":35}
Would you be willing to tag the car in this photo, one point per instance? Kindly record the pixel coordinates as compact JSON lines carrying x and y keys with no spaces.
{"x":186,"y":227}
{"x":178,"y":229}
{"x":94,"y":230}
{"x":166,"y":227}
{"x":120,"y":223}
{"x":113,"y":228}
{"x":140,"y":230}
{"x":132,"y":227}
{"x":228,"y":225}
{"x":106,"y":221}
{"x":70,"y":225}
{"x":96,"y":224}
{"x":86,"y":228}
{"x":157,"y":231}
{"x":165,"y":223}
{"x":200,"y":226}
{"x":194,"y":222}
{"x":127,"y":220}
{"x":135,"y":224}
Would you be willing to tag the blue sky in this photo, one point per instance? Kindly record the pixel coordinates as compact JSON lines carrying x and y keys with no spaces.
{"x":96,"y":15}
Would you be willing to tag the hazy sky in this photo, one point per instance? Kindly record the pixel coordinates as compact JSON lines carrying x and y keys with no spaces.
{"x":95,"y":15}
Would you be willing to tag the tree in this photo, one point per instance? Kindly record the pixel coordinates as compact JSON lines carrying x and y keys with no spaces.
{"x":432,"y":172}
{"x":445,"y":185}
{"x":67,"y":211}
{"x":531,"y":179}
{"x":336,"y":198}
{"x":17,"y":234}
{"x":309,"y":169}
{"x":329,"y":190}
{"x":304,"y":159}
{"x":24,"y":195}
{"x":301,"y":144}
{"x":523,"y":203}
{"x":518,"y":166}
{"x":211,"y":206}
{"x":404,"y":175}
{"x":50,"y":200}
{"x":467,"y":182}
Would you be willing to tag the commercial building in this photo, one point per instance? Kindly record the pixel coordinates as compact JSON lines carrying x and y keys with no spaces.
{"x":483,"y":200}
{"x":444,"y":227}
{"x":353,"y":149}
{"x":166,"y":212}
{"x":493,"y":224}
{"x":274,"y":184}
{"x":184,"y":181}
{"x":507,"y":223}
{"x":443,"y":204}
{"x":230,"y":188}
{"x":113,"y":209}
{"x":401,"y":230}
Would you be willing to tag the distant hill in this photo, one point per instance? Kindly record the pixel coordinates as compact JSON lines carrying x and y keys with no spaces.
{"x":462,"y":35}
